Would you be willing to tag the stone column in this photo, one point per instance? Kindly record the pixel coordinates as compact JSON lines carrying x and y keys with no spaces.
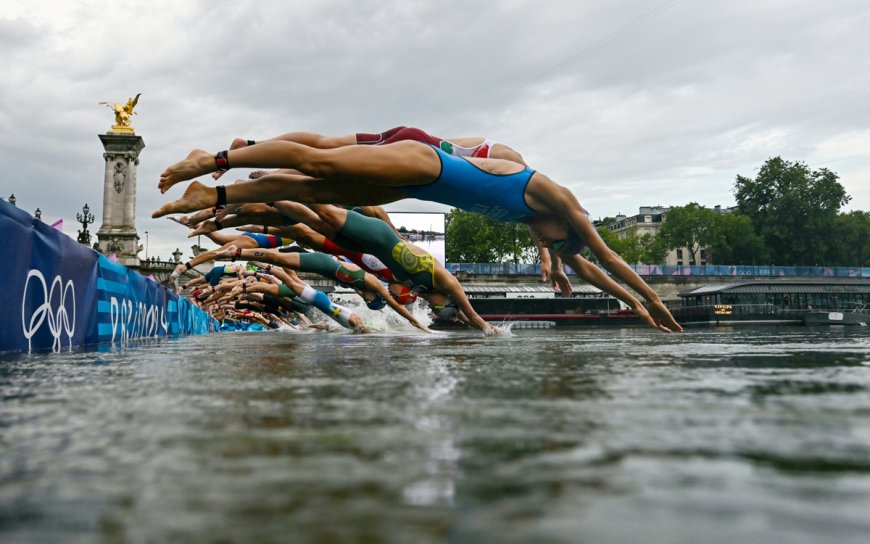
{"x":117,"y":233}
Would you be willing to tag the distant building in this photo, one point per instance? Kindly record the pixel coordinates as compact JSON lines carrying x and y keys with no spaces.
{"x":649,"y":220}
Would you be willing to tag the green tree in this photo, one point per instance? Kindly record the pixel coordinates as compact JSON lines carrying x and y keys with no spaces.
{"x":512,"y":242}
{"x":654,"y":250}
{"x":850,"y":240}
{"x":612,"y":240}
{"x":691,"y":226}
{"x":793,"y":209}
{"x":641,"y":248}
{"x":473,"y":238}
{"x":633,"y":248}
{"x":735,"y":241}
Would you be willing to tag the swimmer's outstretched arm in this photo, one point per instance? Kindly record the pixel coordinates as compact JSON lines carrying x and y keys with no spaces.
{"x":449,"y":285}
{"x":614,"y":264}
{"x":546,"y":261}
{"x":596,"y":277}
{"x":558,"y":277}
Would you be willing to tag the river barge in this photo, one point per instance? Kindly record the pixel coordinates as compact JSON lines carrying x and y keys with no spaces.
{"x":774,"y":301}
{"x":538,"y":306}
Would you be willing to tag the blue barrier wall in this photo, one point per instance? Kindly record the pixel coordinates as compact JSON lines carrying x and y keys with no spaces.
{"x":59,"y":294}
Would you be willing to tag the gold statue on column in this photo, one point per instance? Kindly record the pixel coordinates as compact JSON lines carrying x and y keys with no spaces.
{"x":123,"y":114}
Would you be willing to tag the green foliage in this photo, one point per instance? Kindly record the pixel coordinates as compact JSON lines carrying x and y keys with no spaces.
{"x":793,"y":209}
{"x":850,"y":240}
{"x":734,"y":241}
{"x":691,"y":226}
{"x":633,"y":248}
{"x":610,"y":238}
{"x":473,"y":238}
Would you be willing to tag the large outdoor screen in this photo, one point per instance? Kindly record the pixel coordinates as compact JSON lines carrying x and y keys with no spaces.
{"x":425,"y":230}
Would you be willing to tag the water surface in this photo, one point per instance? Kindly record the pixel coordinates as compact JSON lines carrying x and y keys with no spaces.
{"x":567,"y":435}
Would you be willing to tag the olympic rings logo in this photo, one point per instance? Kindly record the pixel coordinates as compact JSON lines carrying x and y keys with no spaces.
{"x":59,"y":322}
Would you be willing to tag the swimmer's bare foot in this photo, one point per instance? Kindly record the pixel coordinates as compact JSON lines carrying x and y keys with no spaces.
{"x":196,"y":197}
{"x":204,"y":228}
{"x":237,"y":143}
{"x":197,"y":163}
{"x":222,"y":213}
{"x":200,"y":216}
{"x":183,"y":220}
{"x":257,"y":174}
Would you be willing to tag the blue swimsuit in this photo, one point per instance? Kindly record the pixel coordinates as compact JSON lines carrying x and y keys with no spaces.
{"x":465,"y":186}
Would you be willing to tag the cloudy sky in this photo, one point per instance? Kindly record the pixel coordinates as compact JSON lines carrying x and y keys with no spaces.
{"x":628,"y":102}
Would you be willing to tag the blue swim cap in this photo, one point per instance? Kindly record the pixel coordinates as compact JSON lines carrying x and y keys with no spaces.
{"x":376,"y":303}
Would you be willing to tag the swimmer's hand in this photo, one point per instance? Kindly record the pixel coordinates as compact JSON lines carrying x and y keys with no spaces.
{"x":545,"y":275}
{"x":662,"y":317}
{"x":421,"y":326}
{"x":561,"y":282}
{"x":654,"y":318}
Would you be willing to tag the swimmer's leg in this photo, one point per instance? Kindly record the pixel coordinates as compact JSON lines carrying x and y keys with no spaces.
{"x":403,"y":163}
{"x":319,"y":300}
{"x":277,"y":187}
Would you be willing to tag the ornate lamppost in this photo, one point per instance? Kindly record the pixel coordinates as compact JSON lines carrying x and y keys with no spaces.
{"x":177,"y":255}
{"x":38,"y":214}
{"x":85,"y":218}
{"x":12,"y":199}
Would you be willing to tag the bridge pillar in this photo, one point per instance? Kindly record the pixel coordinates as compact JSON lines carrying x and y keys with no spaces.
{"x":117,"y":233}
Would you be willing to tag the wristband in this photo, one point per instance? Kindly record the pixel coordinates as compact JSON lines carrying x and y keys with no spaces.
{"x":221,"y":197}
{"x":222,"y":161}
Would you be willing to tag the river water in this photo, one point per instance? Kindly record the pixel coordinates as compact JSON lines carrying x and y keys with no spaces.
{"x":566,"y":435}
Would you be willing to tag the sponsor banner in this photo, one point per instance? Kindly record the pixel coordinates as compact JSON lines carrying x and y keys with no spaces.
{"x":59,"y":294}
